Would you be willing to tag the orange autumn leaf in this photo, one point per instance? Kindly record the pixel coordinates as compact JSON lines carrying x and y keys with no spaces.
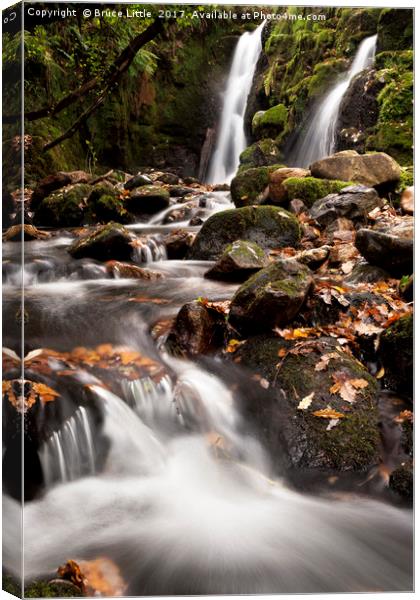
{"x":45,"y":393}
{"x":328,"y":413}
{"x":347,"y":387}
{"x":405,"y":415}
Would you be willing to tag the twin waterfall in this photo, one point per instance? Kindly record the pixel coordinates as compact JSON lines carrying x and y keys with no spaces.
{"x":231,"y":139}
{"x":318,"y":141}
{"x":320,"y":138}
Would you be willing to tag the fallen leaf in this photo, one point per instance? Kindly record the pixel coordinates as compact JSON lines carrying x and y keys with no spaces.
{"x":306,"y":401}
{"x":325,"y":359}
{"x":328,"y":413}
{"x":347,"y":267}
{"x":332,"y":424}
{"x":233,"y":345}
{"x":405,"y":415}
{"x":346,"y":387}
{"x":380,"y":373}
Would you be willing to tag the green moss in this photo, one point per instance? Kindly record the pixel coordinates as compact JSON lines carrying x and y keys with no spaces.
{"x":406,"y":179}
{"x":324,"y":75}
{"x":11,"y":585}
{"x":401,"y":480}
{"x":310,"y":189}
{"x":271,"y":123}
{"x":395,"y":29}
{"x":43,"y":589}
{"x":248,"y":186}
{"x":262,"y":153}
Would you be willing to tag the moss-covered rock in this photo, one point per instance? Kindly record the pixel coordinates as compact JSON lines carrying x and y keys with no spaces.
{"x":56,"y":588}
{"x":267,"y":226}
{"x":375,"y":169}
{"x":105,"y":204}
{"x":285,"y":412}
{"x":250,"y":186}
{"x":107,"y":242}
{"x":401,"y":480}
{"x":395,"y":29}
{"x":310,"y":189}
{"x":64,"y":208}
{"x":396,"y":352}
{"x":260,"y":154}
{"x":351,"y":203}
{"x":270,"y":298}
{"x":238,"y":261}
{"x":271,"y":123}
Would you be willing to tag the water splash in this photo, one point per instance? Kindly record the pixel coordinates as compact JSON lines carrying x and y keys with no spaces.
{"x":231,"y":139}
{"x":320,"y":138}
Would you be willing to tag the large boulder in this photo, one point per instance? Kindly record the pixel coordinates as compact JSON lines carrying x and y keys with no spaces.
{"x":270,"y":298}
{"x":107,"y":242}
{"x":353,"y":202}
{"x":178,"y":243}
{"x":267,"y":226}
{"x":147,"y":199}
{"x":396,"y":352}
{"x":278,"y":192}
{"x":63,"y":208}
{"x":238,"y":261}
{"x":309,"y":189}
{"x":319,"y":405}
{"x":389,"y":247}
{"x":374,"y":169}
{"x":55,"y":182}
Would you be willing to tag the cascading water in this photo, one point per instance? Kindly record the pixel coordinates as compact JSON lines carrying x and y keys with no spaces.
{"x":320,"y":138}
{"x":184,"y":499}
{"x":231,"y":139}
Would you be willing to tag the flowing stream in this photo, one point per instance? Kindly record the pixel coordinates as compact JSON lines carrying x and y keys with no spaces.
{"x":231,"y":139}
{"x":319,"y":140}
{"x":185,"y":500}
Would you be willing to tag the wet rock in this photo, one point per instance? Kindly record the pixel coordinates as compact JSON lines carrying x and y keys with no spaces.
{"x":197,"y":330}
{"x":107,"y":242}
{"x":310,"y":189}
{"x":340,"y":229}
{"x":396,"y":353}
{"x":389,"y":247}
{"x":178,"y":243}
{"x":270,"y":298}
{"x":370,"y":170}
{"x":407,"y":200}
{"x":55,"y":182}
{"x":261,"y":154}
{"x":314,"y":258}
{"x":353,"y":202}
{"x":63,"y":208}
{"x":137,"y":181}
{"x":221,"y":187}
{"x":401,"y":480}
{"x":278,"y":192}
{"x":267,"y":226}
{"x":168,"y":178}
{"x":148,"y":199}
{"x":196,"y":221}
{"x":238,"y":261}
{"x":296,"y":206}
{"x":363,"y":272}
{"x":406,"y":288}
{"x":179,"y":191}
{"x":295,"y":389}
{"x":29,"y":233}
{"x":122,"y":270}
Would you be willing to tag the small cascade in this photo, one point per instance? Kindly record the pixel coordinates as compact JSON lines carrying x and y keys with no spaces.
{"x":152,"y":401}
{"x":231,"y":139}
{"x":319,"y":140}
{"x":70,"y":452}
{"x":149,"y":249}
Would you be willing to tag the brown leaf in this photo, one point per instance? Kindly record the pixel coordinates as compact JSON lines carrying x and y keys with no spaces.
{"x":405,"y":415}
{"x":328,"y":413}
{"x":325,"y":359}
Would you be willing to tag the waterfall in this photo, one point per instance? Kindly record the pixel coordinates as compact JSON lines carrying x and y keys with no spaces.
{"x":231,"y":139}
{"x":320,"y":137}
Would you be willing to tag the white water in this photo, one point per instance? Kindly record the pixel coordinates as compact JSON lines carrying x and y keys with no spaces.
{"x":320,"y":138}
{"x":231,"y":139}
{"x":182,"y":515}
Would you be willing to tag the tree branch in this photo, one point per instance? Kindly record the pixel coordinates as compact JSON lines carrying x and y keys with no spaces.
{"x":117,"y":68}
